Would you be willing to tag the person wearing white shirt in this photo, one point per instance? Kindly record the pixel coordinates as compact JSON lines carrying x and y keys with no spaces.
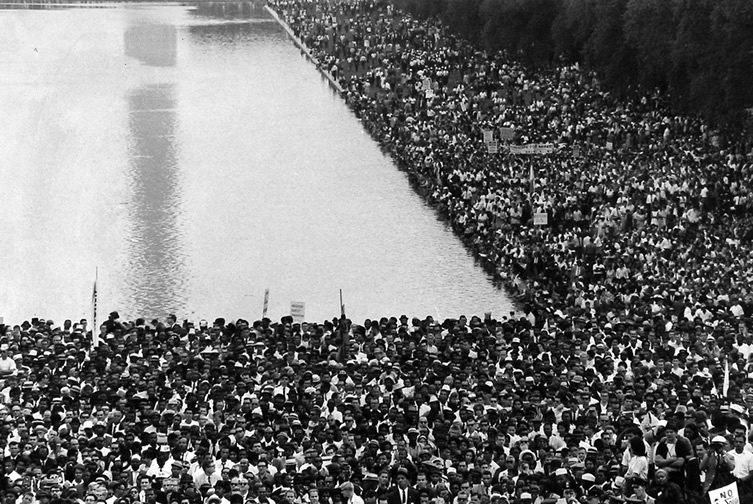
{"x":349,"y":495}
{"x":743,"y":470}
{"x":207,"y":474}
{"x":7,"y":365}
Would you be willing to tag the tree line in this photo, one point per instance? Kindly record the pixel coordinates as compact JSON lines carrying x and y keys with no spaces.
{"x":699,"y":52}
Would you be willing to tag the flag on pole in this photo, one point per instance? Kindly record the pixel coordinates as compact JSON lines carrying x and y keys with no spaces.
{"x":266,"y":303}
{"x":532,"y":178}
{"x":95,"y":329}
{"x":725,"y":386}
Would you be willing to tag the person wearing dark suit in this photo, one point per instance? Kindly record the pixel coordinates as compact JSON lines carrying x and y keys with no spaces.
{"x":402,"y":493}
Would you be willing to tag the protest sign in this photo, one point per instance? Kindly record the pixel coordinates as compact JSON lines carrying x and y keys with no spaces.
{"x":540,"y":219}
{"x":506,"y":133}
{"x":298,"y":310}
{"x":725,"y":495}
{"x":531,"y":149}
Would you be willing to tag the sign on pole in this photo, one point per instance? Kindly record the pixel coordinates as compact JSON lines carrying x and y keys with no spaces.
{"x":610,"y":146}
{"x":427,"y":83}
{"x":540,"y":219}
{"x":725,"y":495}
{"x":492,"y":147}
{"x":531,"y":149}
{"x":298,"y":310}
{"x":487,"y":135}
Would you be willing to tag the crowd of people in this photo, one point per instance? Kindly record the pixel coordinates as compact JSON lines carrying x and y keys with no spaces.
{"x":626,"y":375}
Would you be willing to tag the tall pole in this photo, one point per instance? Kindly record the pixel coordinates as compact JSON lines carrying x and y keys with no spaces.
{"x":266,"y":303}
{"x":343,"y":331}
{"x":95,"y":329}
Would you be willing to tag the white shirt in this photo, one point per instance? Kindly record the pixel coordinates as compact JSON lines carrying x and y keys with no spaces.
{"x":7,"y":366}
{"x":743,"y":463}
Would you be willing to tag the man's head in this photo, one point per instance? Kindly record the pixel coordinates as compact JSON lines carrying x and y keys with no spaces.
{"x":347,"y":489}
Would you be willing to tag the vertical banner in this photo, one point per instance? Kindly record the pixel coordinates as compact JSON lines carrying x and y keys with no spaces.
{"x":725,"y":495}
{"x":95,"y":329}
{"x":266,"y":303}
{"x":298,"y":311}
{"x":725,"y":385}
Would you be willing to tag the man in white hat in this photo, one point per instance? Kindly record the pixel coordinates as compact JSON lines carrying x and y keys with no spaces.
{"x":717,"y":465}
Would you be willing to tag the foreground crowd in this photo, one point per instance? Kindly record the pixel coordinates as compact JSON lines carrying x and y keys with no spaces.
{"x":405,"y":412}
{"x":532,"y":408}
{"x":626,"y":377}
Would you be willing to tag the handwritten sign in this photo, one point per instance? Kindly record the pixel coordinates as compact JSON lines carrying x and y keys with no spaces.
{"x":540,"y":219}
{"x":492,"y":147}
{"x":487,"y":135}
{"x":298,"y":310}
{"x":725,"y":495}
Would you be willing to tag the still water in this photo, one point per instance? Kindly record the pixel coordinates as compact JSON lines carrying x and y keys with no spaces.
{"x":195,"y":162}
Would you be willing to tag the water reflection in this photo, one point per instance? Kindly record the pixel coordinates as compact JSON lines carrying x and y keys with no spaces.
{"x":237,"y":36}
{"x":156,"y":264}
{"x":229,"y":9}
{"x":225,"y":167}
{"x":152,"y":44}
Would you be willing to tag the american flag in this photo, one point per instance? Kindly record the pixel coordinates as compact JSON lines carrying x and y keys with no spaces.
{"x":95,"y":329}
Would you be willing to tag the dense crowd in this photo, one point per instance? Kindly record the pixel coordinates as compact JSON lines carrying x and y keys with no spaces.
{"x":626,"y":375}
{"x":642,"y":271}
{"x":524,"y":409}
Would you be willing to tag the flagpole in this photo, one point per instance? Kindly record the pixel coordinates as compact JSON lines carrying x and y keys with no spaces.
{"x":95,"y":329}
{"x":532,"y":177}
{"x":266,"y":303}
{"x":343,"y":331}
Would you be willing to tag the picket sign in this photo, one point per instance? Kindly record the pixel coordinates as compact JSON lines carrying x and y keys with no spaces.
{"x":725,"y":495}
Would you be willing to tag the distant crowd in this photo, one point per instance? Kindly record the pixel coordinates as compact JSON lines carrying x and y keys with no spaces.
{"x":626,"y":375}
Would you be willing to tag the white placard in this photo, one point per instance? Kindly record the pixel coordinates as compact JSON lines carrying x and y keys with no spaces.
{"x":725,"y":495}
{"x":298,"y":310}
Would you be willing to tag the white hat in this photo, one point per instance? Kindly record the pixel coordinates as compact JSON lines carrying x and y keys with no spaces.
{"x":719,"y":439}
